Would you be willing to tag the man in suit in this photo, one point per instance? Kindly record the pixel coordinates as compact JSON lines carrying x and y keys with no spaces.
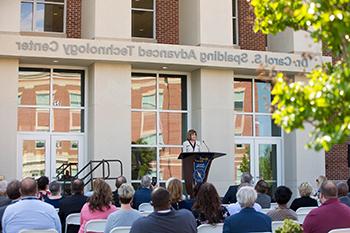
{"x":230,"y":196}
{"x":72,"y":204}
{"x":143,"y":194}
{"x":248,"y":219}
{"x":118,"y":182}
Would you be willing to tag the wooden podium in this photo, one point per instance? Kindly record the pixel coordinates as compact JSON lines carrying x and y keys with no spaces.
{"x":195,"y":167}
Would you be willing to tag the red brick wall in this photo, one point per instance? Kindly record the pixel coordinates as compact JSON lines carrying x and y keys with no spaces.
{"x":167,"y":21}
{"x":337,"y":163}
{"x":248,"y":39}
{"x":73,"y":23}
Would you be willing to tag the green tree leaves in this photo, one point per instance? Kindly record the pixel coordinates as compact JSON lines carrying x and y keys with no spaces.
{"x":323,"y":100}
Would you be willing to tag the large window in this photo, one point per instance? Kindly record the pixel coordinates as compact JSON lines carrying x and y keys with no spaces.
{"x":50,"y":100}
{"x":159,"y":124}
{"x":143,"y":18}
{"x":42,"y":15}
{"x":234,"y":21}
{"x":252,"y":103}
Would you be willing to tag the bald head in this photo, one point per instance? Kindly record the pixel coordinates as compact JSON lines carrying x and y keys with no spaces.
{"x":77,"y":186}
{"x":28,"y":187}
{"x":329,"y":190}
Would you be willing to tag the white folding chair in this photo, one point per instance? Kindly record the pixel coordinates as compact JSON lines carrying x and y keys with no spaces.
{"x":208,"y":228}
{"x":275,"y":225}
{"x":120,"y":230}
{"x":57,"y":209}
{"x":39,"y":231}
{"x":96,"y":225}
{"x":342,"y":230}
{"x":146,"y":207}
{"x":303,"y":212}
{"x":145,"y":213}
{"x":273,"y":205}
{"x":72,"y":219}
{"x":265,"y":211}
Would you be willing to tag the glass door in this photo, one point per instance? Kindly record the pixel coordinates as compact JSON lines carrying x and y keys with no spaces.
{"x":33,"y":156}
{"x":66,"y":150}
{"x":261,"y":158}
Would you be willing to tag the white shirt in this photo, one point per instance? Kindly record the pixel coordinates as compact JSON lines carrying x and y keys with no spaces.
{"x":187,"y":147}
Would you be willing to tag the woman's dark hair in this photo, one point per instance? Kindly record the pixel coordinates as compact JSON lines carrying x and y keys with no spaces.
{"x":43,"y":182}
{"x":262,"y":186}
{"x":283,"y":195}
{"x":208,"y":203}
{"x":102,"y":196}
{"x":189,"y":134}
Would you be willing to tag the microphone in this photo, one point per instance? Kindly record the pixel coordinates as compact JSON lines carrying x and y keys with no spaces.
{"x":206,"y":145}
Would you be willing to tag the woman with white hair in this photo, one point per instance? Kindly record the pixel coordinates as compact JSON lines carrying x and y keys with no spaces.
{"x":126,"y":215}
{"x":4,"y":200}
{"x":248,"y":219}
{"x":305,"y":191}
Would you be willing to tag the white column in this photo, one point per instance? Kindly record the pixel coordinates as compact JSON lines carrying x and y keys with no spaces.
{"x":212,"y":116}
{"x":206,"y":22}
{"x":109,"y":127}
{"x":10,"y":16}
{"x":301,"y":164}
{"x":290,"y":41}
{"x":8,"y":118}
{"x":107,"y":19}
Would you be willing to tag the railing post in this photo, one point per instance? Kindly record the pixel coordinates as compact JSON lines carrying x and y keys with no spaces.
{"x":91,"y":177}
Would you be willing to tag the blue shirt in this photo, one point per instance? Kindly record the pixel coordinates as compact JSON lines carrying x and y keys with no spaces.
{"x":247,"y":220}
{"x":142,"y":195}
{"x":30,"y":213}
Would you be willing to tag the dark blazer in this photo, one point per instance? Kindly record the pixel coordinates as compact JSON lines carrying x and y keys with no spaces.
{"x":247,"y":220}
{"x":303,"y":202}
{"x":116,"y":198}
{"x":70,"y":205}
{"x":230,"y":196}
{"x":142,"y":195}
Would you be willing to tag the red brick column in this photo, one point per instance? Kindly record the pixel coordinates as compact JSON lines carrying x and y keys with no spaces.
{"x":167,"y":21}
{"x":248,"y":39}
{"x":337,"y":163}
{"x":73,"y":20}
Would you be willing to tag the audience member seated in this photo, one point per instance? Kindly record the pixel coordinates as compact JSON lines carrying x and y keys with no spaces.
{"x":348,"y":182}
{"x":264,"y":200}
{"x":332,"y":214}
{"x":13,"y":194}
{"x":248,"y":219}
{"x":4,"y":200}
{"x":118,"y":182}
{"x":230,"y":196}
{"x":207,"y":208}
{"x":55,"y":197}
{"x":305,"y":191}
{"x":282,"y":212}
{"x":174,"y":187}
{"x":43,"y":186}
{"x":72,"y":204}
{"x":164,"y":219}
{"x":143,"y":194}
{"x":99,"y":205}
{"x":236,"y":207}
{"x":126,"y":215}
{"x":29,"y":212}
{"x":343,"y":190}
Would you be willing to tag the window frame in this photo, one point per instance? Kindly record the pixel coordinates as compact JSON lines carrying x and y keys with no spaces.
{"x":236,"y":26}
{"x":34,"y":14}
{"x":154,"y":20}
{"x":51,"y":107}
{"x":157,"y":146}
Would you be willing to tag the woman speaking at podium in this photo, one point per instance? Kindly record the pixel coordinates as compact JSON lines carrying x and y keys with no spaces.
{"x":191,"y":144}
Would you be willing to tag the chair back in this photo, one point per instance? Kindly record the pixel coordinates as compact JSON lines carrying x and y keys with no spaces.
{"x":39,"y":231}
{"x":146,"y":213}
{"x":275,"y":225}
{"x":342,"y":230}
{"x":305,"y":210}
{"x":146,"y":207}
{"x":72,"y":219}
{"x":265,"y":210}
{"x":273,"y":205}
{"x":208,"y":228}
{"x":121,"y":230}
{"x":96,"y":225}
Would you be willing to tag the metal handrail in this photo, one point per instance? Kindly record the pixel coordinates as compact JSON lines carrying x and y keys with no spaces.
{"x":61,"y":169}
